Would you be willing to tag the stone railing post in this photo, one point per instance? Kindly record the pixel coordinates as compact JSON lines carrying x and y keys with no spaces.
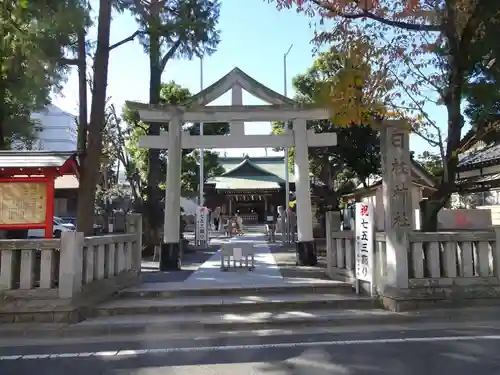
{"x":71,"y":264}
{"x":496,"y":253}
{"x":329,"y":240}
{"x":134,"y":226}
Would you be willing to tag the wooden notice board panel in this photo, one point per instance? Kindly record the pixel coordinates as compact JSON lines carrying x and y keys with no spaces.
{"x":23,"y":203}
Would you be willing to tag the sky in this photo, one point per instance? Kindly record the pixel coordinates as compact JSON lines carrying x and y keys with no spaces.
{"x":254,"y":37}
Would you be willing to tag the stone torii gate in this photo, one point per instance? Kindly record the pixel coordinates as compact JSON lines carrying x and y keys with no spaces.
{"x":280,"y":108}
{"x":396,"y":161}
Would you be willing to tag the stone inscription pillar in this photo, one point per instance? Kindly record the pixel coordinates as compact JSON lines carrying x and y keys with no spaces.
{"x":170,"y":250}
{"x":396,"y":191}
{"x":306,"y":250}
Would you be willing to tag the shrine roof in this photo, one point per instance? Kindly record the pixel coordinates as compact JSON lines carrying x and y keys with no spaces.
{"x":245,"y":183}
{"x":489,"y":155}
{"x":268,"y":165}
{"x":33,"y":159}
{"x":250,"y":173}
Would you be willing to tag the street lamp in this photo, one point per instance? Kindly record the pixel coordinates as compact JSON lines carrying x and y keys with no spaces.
{"x":286,"y":129}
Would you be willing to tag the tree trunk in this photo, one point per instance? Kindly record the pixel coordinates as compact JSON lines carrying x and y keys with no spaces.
{"x":440,"y":197}
{"x":429,"y":214}
{"x":154,"y":217}
{"x":82,"y":96}
{"x":3,"y":115}
{"x":91,"y":165}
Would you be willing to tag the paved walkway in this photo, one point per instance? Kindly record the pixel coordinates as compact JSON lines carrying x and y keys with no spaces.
{"x":205,"y":273}
{"x":266,"y":270}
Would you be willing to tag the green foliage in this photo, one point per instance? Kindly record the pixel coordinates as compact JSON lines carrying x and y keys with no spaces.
{"x":432,"y":163}
{"x":179,"y":28}
{"x":358,"y":151}
{"x":483,"y":91}
{"x":172,"y":93}
{"x":34,"y":37}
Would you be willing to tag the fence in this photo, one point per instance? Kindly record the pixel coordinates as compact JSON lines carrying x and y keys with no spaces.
{"x":437,"y":260}
{"x":69,"y":266}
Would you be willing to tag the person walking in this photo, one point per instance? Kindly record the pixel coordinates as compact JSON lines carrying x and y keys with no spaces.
{"x":239,"y":223}
{"x":216,"y":216}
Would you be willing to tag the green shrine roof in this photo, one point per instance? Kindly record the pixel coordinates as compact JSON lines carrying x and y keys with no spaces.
{"x":257,"y":173}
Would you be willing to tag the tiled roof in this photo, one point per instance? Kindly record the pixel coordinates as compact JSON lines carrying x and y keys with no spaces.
{"x":269,"y":173}
{"x":33,"y":159}
{"x":246,"y":183}
{"x":488,"y":154}
{"x":271,"y":164}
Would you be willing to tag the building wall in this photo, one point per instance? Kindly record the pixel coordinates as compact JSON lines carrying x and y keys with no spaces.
{"x":65,"y":202}
{"x":56,"y":130}
{"x":475,"y":200}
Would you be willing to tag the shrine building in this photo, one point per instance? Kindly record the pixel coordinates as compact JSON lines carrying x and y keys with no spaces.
{"x":252,"y":186}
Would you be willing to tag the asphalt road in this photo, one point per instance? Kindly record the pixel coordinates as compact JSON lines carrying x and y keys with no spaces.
{"x":416,"y":352}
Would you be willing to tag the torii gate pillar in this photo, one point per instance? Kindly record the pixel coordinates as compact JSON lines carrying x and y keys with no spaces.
{"x":170,"y":256}
{"x":305,"y":246}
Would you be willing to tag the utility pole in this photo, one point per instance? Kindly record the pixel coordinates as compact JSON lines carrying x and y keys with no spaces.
{"x":202,"y":158}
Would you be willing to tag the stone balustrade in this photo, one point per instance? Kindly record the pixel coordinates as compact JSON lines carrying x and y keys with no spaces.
{"x":340,"y":255}
{"x":72,"y":268}
{"x":441,"y":265}
{"x":453,"y":258}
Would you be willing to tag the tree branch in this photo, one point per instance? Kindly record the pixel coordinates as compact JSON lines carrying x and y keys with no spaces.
{"x":372,"y":16}
{"x":171,"y":52}
{"x":126,"y":40}
{"x":468,"y":33}
{"x":65,"y":61}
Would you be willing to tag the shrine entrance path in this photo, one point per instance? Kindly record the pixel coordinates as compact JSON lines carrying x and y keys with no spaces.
{"x":266,"y":270}
{"x":207,"y":274}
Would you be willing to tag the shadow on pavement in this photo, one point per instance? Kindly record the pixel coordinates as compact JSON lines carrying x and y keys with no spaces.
{"x":408,"y":358}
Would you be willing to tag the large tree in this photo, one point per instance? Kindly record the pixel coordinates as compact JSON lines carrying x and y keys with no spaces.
{"x":33,"y":39}
{"x":91,"y":155}
{"x":425,"y":45}
{"x":357,"y":154}
{"x":483,"y":91}
{"x":169,"y":29}
{"x":137,"y":163}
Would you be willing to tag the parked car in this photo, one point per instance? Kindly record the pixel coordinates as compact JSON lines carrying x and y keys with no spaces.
{"x":59,"y":227}
{"x":65,"y":223}
{"x":98,"y":230}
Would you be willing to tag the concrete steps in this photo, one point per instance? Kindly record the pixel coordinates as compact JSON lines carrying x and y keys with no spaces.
{"x":231,"y":304}
{"x":227,"y":322}
{"x":170,"y":290}
{"x":188,"y":308}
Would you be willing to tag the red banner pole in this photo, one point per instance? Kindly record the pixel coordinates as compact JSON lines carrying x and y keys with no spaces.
{"x":49,"y":216}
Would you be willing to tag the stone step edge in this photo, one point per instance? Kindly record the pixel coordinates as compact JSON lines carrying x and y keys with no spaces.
{"x":237,"y":305}
{"x":289,"y":289}
{"x":139,"y":327}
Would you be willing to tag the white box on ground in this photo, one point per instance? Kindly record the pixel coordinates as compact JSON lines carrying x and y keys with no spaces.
{"x":237,"y":253}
